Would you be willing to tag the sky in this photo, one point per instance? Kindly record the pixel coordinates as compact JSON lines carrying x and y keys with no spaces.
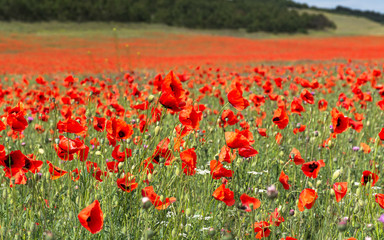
{"x":373,"y":5}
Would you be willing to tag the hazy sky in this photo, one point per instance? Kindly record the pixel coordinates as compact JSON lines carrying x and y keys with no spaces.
{"x":374,"y":5}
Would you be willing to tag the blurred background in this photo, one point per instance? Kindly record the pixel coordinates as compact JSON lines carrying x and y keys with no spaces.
{"x":45,"y":36}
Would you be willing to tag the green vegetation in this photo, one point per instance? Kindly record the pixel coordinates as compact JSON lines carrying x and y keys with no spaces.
{"x":252,"y":15}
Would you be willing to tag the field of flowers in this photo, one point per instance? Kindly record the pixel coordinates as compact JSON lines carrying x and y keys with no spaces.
{"x":188,"y":149}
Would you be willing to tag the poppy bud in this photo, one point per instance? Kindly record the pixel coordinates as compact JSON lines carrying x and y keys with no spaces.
{"x":150,"y":177}
{"x":342,"y":226}
{"x":151,"y":98}
{"x":292,"y":212}
{"x":157,"y":130}
{"x":370,"y":227}
{"x":272,"y":192}
{"x":318,"y":183}
{"x":162,"y":198}
{"x":174,"y":233}
{"x":316,"y":133}
{"x":335,"y":175}
{"x":146,"y":203}
{"x":211,"y":232}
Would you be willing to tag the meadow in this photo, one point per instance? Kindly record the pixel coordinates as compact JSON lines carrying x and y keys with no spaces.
{"x":146,"y":134}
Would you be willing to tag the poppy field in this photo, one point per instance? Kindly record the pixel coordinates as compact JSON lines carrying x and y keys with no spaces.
{"x":220,"y":150}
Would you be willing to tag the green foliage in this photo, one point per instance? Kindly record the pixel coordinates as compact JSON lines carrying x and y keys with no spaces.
{"x":252,"y":15}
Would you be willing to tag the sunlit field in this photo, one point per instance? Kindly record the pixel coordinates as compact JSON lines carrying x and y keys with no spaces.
{"x":191,"y":136}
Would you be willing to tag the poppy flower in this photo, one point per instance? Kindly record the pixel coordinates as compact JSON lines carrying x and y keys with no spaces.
{"x":235,"y":98}
{"x":306,"y":199}
{"x":280,"y":118}
{"x":55,"y":171}
{"x":226,"y":154}
{"x":322,"y":104}
{"x":365,"y":147}
{"x":289,"y":238}
{"x":262,"y":132}
{"x":99,"y":124}
{"x":113,"y":167}
{"x":262,"y":229}
{"x":188,"y":161}
{"x":236,"y":139}
{"x":275,"y":218}
{"x":127,"y":183}
{"x":224,"y":194}
{"x":92,"y":217}
{"x":2,"y":126}
{"x":284,"y":180}
{"x":190,"y":118}
{"x":340,"y":189}
{"x":119,"y":129}
{"x":16,"y":120}
{"x":228,"y":118}
{"x":120,"y":156}
{"x":379,"y":198}
{"x":307,"y":96}
{"x":247,"y":152}
{"x":70,"y":126}
{"x":300,"y":129}
{"x":218,"y":171}
{"x":172,"y":93}
{"x":13,"y":162}
{"x":368,"y":177}
{"x":311,"y":169}
{"x":155,"y":199}
{"x":340,"y":122}
{"x":381,"y":134}
{"x":296,"y":157}
{"x":296,"y":106}
{"x":246,"y":201}
{"x":68,"y":147}
{"x":75,"y":174}
{"x":31,"y":164}
{"x":163,"y":151}
{"x":95,"y":170}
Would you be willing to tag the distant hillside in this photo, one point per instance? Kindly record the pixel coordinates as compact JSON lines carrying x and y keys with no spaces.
{"x":253,"y":15}
{"x":371,"y":15}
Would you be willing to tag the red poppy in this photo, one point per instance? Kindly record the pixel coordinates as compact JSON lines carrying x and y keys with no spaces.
{"x":120,"y":156}
{"x":275,"y":219}
{"x":296,"y":106}
{"x":296,"y":157}
{"x":127,"y":183}
{"x":289,"y":238}
{"x":228,"y":117}
{"x":2,"y":126}
{"x":235,"y":98}
{"x":13,"y":162}
{"x":306,"y":199}
{"x":188,"y":161}
{"x":262,"y":132}
{"x":31,"y":164}
{"x":162,"y":150}
{"x":300,"y":129}
{"x":262,"y":229}
{"x":70,"y":126}
{"x":226,"y":154}
{"x":190,"y":118}
{"x":172,"y":93}
{"x":284,"y":180}
{"x":365,"y":147}
{"x":75,"y":175}
{"x":247,"y":152}
{"x":224,"y":194}
{"x":119,"y":129}
{"x":339,"y":121}
{"x":247,"y":201}
{"x":381,"y":134}
{"x":67,"y":147}
{"x":340,"y":189}
{"x":95,"y":170}
{"x":236,"y":139}
{"x":99,"y":124}
{"x":311,"y":169}
{"x":218,"y":171}
{"x":16,"y":119}
{"x":379,"y":198}
{"x":280,"y":118}
{"x":307,"y":96}
{"x":92,"y":217}
{"x":322,"y":105}
{"x":55,"y":171}
{"x":155,"y":199}
{"x":369,"y":176}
